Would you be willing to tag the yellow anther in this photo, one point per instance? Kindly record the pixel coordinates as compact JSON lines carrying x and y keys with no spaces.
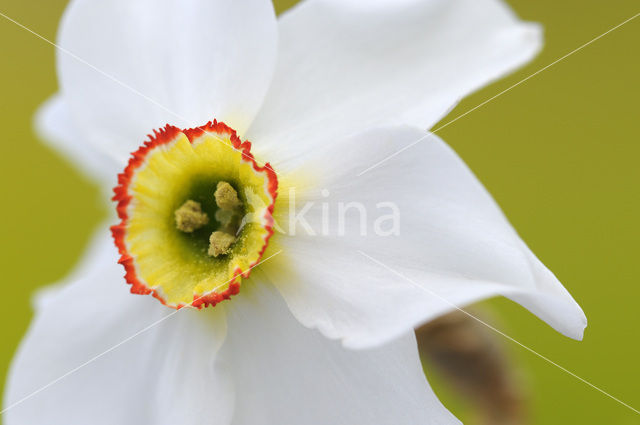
{"x":189,"y":217}
{"x":220,"y":242}
{"x":226,"y":197}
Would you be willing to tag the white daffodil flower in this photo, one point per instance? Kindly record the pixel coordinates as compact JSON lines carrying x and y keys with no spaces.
{"x":322,"y":331}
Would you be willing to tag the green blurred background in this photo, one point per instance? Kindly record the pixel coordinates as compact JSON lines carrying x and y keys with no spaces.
{"x":559,"y":153}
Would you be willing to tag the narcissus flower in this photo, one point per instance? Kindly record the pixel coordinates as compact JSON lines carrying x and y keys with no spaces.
{"x":258,"y":323}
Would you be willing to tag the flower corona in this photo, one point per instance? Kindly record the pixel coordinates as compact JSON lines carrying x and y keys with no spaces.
{"x":195,"y":213}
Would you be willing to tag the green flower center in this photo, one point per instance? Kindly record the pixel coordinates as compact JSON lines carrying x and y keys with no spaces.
{"x":193,"y":218}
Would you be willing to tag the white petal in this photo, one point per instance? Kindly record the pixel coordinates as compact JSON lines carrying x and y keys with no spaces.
{"x":287,"y":374}
{"x":454,"y":245}
{"x":181,"y":62}
{"x":348,"y":65}
{"x":55,"y":126}
{"x":166,"y":374}
{"x":92,"y":261}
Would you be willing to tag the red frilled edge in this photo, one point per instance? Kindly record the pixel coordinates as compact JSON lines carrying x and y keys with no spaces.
{"x":123,"y":198}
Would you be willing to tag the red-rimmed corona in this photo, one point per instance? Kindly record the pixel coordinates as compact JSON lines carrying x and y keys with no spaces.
{"x":195,"y":213}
